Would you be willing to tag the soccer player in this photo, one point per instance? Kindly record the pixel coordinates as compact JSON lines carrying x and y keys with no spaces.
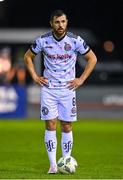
{"x":58,"y":84}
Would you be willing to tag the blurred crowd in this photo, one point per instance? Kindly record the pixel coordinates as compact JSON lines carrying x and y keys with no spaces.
{"x":11,"y":73}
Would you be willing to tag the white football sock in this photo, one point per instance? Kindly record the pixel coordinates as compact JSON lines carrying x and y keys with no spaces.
{"x":51,"y":145}
{"x":67,"y":143}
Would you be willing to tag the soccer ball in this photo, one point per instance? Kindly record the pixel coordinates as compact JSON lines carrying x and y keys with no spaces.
{"x":67,"y":165}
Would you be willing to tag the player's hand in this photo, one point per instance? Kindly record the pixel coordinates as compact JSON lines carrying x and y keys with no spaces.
{"x":74,"y":84}
{"x":40,"y":80}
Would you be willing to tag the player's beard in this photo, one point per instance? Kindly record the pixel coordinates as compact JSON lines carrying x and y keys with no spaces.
{"x":60,"y":32}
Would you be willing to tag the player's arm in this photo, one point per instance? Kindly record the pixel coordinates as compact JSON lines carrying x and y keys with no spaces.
{"x":28,"y":59}
{"x":91,"y":59}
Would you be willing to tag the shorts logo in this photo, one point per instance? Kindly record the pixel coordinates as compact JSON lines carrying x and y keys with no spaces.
{"x":45,"y":110}
{"x":73,"y":110}
{"x":67,"y":47}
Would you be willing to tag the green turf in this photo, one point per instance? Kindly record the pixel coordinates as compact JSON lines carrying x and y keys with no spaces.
{"x":98,"y":148}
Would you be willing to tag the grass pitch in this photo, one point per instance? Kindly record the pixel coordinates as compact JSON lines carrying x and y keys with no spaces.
{"x":98,"y":149}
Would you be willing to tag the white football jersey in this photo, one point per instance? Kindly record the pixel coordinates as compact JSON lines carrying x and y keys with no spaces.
{"x":59,"y":57}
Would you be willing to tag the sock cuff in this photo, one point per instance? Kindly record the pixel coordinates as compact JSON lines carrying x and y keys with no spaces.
{"x":50,"y":132}
{"x":67,"y":133}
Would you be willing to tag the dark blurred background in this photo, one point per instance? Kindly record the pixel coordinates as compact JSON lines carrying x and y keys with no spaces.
{"x":102,"y":17}
{"x":101,"y":22}
{"x":98,"y":22}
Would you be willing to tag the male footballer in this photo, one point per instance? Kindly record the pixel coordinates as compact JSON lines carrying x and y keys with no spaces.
{"x":58,"y":83}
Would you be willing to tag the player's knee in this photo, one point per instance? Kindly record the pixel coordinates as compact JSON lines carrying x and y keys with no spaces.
{"x":66,"y":126}
{"x":51,"y":125}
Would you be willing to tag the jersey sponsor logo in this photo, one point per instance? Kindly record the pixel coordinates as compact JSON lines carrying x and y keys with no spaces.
{"x":67,"y":47}
{"x":50,"y":145}
{"x":45,"y":110}
{"x":59,"y":56}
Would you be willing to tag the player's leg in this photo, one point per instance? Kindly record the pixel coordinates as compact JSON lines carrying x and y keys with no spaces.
{"x":67,"y":114}
{"x":67,"y":138}
{"x":49,"y":113}
{"x":51,"y":143}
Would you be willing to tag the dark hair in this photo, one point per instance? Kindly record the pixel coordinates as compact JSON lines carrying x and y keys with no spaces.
{"x":57,"y":13}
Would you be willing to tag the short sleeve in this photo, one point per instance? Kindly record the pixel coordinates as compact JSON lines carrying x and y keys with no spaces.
{"x":36,"y":46}
{"x":81,"y":46}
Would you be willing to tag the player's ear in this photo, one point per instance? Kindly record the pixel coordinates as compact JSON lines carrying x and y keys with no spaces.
{"x":51,"y":23}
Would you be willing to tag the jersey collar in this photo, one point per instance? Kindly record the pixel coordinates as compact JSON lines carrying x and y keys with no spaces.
{"x":58,"y":39}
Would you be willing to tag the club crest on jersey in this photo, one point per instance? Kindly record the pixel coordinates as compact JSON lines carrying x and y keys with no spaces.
{"x":67,"y":47}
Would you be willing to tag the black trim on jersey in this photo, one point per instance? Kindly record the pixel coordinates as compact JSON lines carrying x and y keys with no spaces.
{"x":42,"y":63}
{"x":32,"y":51}
{"x":86,"y":51}
{"x":46,"y":35}
{"x":58,"y":39}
